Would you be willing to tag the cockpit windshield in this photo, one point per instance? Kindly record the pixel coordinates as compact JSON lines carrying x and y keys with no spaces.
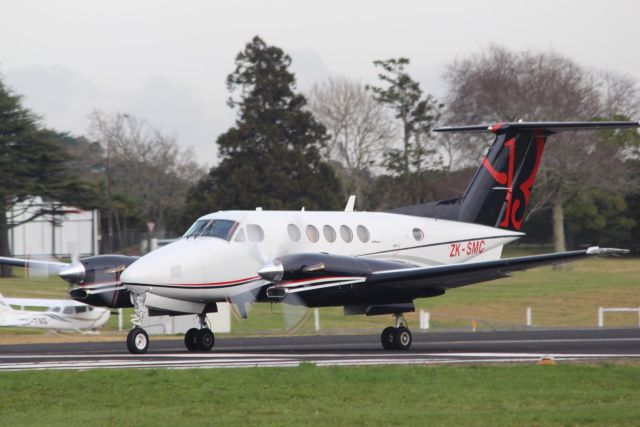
{"x":196,"y":228}
{"x":221,"y":228}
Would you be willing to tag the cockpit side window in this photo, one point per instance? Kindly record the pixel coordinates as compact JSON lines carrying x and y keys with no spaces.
{"x":221,"y":228}
{"x":196,"y":228}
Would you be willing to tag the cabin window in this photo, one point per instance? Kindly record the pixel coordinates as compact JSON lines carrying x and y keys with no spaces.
{"x":220,"y":228}
{"x":56,"y":309}
{"x":363,"y":233}
{"x":346,"y":233}
{"x":67,"y":310}
{"x":255,"y":233}
{"x":312,"y":233}
{"x":294,"y":232}
{"x":329,"y":233}
{"x":418,"y":234}
{"x":240,"y":237}
{"x":81,"y":309}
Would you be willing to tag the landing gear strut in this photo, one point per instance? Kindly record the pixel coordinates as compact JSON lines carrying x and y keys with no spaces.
{"x":398,"y":338}
{"x":199,"y":339}
{"x":137,"y":339}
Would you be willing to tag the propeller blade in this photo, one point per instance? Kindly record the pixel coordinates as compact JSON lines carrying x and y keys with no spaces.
{"x":244,"y":301}
{"x":295,"y":312}
{"x":38,"y":268}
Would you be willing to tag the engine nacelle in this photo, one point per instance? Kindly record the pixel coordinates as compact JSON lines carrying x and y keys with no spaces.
{"x":306,"y":266}
{"x":98,"y":278}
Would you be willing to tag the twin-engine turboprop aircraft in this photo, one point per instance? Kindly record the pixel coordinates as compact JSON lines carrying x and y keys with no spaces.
{"x":371,"y":263}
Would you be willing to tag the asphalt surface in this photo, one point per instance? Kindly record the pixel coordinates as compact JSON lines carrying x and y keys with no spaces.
{"x":427,"y":348}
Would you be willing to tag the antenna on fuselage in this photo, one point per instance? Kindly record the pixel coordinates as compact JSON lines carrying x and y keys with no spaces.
{"x":351,"y":203}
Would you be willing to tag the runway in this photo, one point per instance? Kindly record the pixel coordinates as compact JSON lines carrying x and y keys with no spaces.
{"x":345,"y":350}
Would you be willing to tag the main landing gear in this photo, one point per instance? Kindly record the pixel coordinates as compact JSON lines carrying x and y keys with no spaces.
{"x":199,"y":339}
{"x":398,"y":338}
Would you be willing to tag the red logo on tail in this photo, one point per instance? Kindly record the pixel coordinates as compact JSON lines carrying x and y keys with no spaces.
{"x":513,"y":205}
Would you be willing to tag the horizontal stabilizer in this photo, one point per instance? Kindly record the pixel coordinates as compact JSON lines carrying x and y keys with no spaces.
{"x":552,"y":127}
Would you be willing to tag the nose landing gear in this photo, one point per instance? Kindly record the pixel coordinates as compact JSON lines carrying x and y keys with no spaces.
{"x":137,"y":339}
{"x":398,"y":338}
{"x":200,"y":339}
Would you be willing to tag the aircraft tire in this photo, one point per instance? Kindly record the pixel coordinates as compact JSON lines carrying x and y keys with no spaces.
{"x":206,"y":339}
{"x":191,"y":339}
{"x":388,"y":338}
{"x":403,"y":338}
{"x":137,"y":341}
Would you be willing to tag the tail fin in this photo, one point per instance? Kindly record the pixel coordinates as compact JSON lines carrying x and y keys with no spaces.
{"x":501,"y":188}
{"x":3,"y":305}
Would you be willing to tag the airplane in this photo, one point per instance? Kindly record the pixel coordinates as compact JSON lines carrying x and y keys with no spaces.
{"x":60,"y":314}
{"x":370,"y":263}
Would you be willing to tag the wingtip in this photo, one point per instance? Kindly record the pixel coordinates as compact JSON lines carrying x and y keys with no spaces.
{"x":596,"y":250}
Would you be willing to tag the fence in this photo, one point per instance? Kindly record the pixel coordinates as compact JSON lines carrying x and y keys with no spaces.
{"x":603,"y":310}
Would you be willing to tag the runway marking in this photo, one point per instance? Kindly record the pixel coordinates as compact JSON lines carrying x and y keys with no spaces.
{"x":292,"y":360}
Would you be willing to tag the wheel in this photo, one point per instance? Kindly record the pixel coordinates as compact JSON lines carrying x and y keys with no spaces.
{"x":388,"y":338}
{"x":205,"y":340}
{"x":403,"y":338}
{"x":191,"y":339}
{"x":137,"y":341}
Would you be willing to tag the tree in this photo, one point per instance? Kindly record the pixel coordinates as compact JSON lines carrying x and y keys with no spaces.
{"x":359,"y":128}
{"x":145,"y":172}
{"x":417,"y":114}
{"x":271,"y":157}
{"x":502,"y":85}
{"x":33,"y":162}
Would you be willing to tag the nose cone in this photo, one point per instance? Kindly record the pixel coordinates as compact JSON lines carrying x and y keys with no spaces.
{"x":184,"y":261}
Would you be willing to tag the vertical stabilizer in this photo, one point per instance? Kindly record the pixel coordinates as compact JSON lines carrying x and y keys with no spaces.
{"x":501,"y":188}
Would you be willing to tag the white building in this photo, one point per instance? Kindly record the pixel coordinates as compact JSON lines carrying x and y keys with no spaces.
{"x":68,"y":231}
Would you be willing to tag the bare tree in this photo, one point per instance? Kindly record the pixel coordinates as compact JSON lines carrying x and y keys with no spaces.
{"x":359,"y":127}
{"x":145,"y":165}
{"x":503,"y":85}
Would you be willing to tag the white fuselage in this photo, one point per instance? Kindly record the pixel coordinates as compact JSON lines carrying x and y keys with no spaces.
{"x":209,"y":269}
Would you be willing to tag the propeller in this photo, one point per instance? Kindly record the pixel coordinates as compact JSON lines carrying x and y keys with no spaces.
{"x":244,"y":301}
{"x":295,"y":312}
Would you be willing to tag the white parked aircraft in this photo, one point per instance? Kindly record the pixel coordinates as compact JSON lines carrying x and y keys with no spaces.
{"x":371,"y":263}
{"x":60,"y":314}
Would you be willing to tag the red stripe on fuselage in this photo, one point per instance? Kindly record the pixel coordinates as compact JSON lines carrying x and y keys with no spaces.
{"x":227,"y":283}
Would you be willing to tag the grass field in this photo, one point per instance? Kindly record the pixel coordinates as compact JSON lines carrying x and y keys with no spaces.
{"x":561,"y":395}
{"x":565,"y":298}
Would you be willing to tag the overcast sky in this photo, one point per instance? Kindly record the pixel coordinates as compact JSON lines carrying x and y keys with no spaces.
{"x":166,"y":61}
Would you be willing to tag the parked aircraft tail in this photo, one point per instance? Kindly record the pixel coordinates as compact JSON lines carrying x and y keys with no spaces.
{"x":501,"y":188}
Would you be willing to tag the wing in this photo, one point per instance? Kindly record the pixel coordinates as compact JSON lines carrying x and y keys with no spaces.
{"x":455,"y":275}
{"x":42,"y":302}
{"x":302,"y":273}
